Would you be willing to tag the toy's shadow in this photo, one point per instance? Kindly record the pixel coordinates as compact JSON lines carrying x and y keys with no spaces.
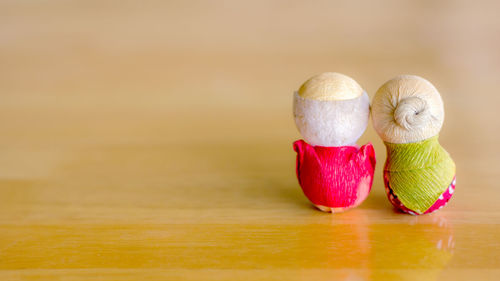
{"x":266,"y":173}
{"x":263,"y":172}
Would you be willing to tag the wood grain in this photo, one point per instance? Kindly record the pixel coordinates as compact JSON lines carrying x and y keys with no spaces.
{"x":152,"y":140}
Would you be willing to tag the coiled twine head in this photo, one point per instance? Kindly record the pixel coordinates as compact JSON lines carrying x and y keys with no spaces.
{"x":407,"y":109}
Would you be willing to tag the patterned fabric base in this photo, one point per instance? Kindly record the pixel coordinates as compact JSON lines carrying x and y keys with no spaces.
{"x":440,"y":203}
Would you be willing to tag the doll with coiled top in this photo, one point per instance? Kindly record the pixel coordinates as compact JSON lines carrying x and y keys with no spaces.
{"x":419,"y":175}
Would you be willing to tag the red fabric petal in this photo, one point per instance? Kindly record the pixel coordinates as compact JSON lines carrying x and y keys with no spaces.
{"x":337,"y":177}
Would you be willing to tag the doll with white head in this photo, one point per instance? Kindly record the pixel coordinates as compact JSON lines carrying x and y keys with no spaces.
{"x":331,"y":112}
{"x":419,"y":175}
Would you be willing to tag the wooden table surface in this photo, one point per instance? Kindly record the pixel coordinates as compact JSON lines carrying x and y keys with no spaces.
{"x":152,"y":140}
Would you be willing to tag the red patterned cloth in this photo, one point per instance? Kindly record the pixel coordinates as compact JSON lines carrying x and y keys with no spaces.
{"x":336,"y":177}
{"x":440,"y":202}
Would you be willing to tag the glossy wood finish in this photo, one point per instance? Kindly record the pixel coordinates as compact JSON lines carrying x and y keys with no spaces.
{"x":150,"y":141}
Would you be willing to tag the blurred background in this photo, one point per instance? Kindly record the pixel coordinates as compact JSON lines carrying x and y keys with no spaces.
{"x":151,"y":111}
{"x":222,"y":73}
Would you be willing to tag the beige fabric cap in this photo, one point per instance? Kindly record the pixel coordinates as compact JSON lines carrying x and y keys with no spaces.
{"x":330,"y":86}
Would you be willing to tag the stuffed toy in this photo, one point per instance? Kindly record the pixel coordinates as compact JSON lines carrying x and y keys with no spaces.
{"x":419,"y":175}
{"x":331,"y":112}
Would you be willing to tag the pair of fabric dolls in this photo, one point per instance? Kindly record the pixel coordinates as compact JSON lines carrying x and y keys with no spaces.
{"x":332,"y":110}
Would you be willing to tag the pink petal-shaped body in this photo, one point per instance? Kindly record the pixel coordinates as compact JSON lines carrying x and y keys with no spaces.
{"x":335,"y":177}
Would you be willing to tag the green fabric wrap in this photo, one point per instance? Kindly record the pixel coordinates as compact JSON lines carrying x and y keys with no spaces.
{"x":419,"y":172}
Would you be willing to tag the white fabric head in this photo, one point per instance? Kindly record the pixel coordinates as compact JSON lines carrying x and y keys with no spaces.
{"x":331,"y":122}
{"x":407,"y":109}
